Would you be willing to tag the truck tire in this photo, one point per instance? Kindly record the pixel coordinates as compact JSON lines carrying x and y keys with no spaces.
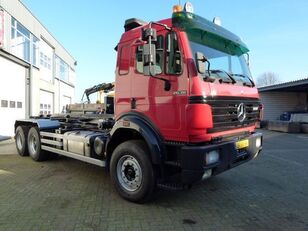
{"x":132,"y":172}
{"x":34,"y":145}
{"x":21,"y":141}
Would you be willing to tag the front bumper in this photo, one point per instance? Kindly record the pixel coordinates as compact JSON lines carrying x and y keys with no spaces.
{"x":193,"y":164}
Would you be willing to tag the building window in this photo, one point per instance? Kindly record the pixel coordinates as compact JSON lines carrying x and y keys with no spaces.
{"x":45,"y":61}
{"x":35,"y":50}
{"x":19,"y":104}
{"x":1,"y":27}
{"x":24,"y":44}
{"x":72,"y":76}
{"x":45,"y":109}
{"x":62,"y":69}
{"x":4,"y":103}
{"x":12,"y":104}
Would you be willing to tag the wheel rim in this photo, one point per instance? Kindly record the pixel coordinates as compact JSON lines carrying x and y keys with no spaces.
{"x":19,"y":141}
{"x":129,"y":173}
{"x":32,"y":144}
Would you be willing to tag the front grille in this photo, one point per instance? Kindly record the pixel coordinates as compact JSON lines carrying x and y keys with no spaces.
{"x":225,"y":111}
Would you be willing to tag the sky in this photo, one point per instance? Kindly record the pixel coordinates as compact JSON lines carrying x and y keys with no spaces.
{"x":275,"y":31}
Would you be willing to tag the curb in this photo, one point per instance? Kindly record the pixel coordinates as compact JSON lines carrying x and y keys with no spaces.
{"x":7,"y":140}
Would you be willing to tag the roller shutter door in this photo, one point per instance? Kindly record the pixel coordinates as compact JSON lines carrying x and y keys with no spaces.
{"x":12,"y":95}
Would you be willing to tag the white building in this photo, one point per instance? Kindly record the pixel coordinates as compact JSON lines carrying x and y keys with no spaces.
{"x":37,"y":74}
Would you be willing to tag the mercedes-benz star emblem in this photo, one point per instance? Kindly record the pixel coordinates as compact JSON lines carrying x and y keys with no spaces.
{"x":241,"y":112}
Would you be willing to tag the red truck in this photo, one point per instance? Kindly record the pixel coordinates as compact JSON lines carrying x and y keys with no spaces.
{"x":185,"y":104}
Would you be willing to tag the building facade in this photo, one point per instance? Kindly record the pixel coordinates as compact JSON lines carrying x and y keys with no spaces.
{"x":37,"y":74}
{"x":285,"y":97}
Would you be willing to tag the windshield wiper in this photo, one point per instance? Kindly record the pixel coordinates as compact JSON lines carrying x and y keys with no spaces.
{"x":247,"y":84}
{"x":230,"y":79}
{"x":251,"y":84}
{"x":208,"y":78}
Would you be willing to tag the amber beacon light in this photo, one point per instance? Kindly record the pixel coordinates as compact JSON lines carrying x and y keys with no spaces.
{"x":188,"y":7}
{"x":177,"y":8}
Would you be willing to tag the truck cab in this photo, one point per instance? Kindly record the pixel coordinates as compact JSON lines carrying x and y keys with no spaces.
{"x":186,"y":109}
{"x":200,"y":105}
{"x":189,"y":80}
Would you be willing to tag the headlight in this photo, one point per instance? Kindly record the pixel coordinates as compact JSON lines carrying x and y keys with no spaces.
{"x":212,"y":157}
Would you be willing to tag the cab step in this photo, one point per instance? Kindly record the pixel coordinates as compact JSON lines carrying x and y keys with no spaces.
{"x":171,"y":186}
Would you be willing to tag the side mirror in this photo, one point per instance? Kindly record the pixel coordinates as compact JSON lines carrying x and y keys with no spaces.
{"x":149,"y":59}
{"x":149,"y":51}
{"x":247,"y":59}
{"x":201,"y":59}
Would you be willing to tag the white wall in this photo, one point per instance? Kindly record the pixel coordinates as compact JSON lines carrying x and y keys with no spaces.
{"x":275,"y":103}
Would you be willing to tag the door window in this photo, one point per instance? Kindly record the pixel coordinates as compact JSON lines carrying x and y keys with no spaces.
{"x":159,"y":56}
{"x":173,"y":55}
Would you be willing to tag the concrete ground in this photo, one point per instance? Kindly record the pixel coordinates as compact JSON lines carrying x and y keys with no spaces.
{"x":268,"y":193}
{"x":7,"y":147}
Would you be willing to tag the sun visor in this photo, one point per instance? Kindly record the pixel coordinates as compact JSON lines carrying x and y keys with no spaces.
{"x":203,"y":31}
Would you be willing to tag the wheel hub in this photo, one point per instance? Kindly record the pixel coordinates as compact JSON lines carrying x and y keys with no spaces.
{"x":129,"y":173}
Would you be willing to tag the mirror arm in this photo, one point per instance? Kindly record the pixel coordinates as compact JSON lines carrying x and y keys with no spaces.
{"x":248,"y":59}
{"x":160,"y":24}
{"x":150,"y":63}
{"x":138,"y":42}
{"x":208,"y":66}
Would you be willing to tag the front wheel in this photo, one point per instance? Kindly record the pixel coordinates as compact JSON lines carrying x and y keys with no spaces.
{"x":132,"y":172}
{"x":34,"y":145}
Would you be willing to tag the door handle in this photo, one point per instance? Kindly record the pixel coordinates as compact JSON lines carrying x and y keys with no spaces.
{"x":133,"y":103}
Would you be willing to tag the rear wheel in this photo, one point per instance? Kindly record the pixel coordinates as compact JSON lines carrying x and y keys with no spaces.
{"x":34,"y":145}
{"x":21,"y":141}
{"x":132,"y":172}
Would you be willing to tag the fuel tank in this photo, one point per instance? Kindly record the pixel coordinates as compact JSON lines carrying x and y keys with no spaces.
{"x":82,"y":142}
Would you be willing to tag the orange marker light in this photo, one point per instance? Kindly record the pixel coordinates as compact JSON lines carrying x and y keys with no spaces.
{"x":177,"y":8}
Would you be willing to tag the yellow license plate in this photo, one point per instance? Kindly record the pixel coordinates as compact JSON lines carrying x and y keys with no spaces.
{"x":242,"y":144}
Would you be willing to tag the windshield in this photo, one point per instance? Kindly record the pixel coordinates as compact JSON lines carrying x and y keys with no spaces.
{"x":224,"y":66}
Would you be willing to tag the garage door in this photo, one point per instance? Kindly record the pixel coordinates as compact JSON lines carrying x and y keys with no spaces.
{"x":12,"y":95}
{"x":46,"y":102}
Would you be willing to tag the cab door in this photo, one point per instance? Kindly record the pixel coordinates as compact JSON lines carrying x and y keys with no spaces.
{"x":123,"y":80}
{"x":164,"y":107}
